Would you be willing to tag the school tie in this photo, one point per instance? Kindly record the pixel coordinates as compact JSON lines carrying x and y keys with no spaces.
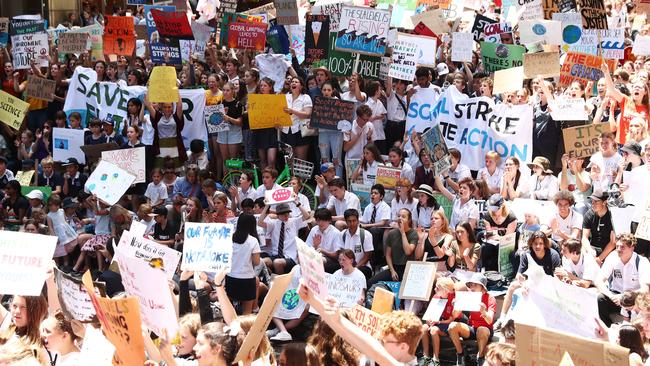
{"x":281,"y":241}
{"x":374,"y":214}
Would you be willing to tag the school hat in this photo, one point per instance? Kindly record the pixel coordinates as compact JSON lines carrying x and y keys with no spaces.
{"x":541,"y":162}
{"x":325,"y":167}
{"x":160,"y":210}
{"x":632,"y":148}
{"x":495,"y":202}
{"x":35,"y":195}
{"x":426,"y":189}
{"x":68,"y":202}
{"x":71,"y":161}
{"x":282,"y":208}
{"x":479,"y":279}
{"x":600,"y":196}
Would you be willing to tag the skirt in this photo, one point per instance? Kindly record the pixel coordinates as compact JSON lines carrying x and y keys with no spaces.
{"x":94,"y":242}
{"x":241,"y":289}
{"x":62,"y":250}
{"x":168,"y":149}
{"x":265,"y":138}
{"x":294,"y":139}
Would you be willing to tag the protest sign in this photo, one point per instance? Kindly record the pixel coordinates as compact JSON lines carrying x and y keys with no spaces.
{"x":136,"y":246}
{"x":475,"y":126}
{"x":544,"y":210}
{"x":311,"y":266}
{"x":229,"y":18}
{"x":501,"y":56}
{"x":462,"y":47}
{"x":383,"y":301}
{"x":26,"y":25}
{"x":280,"y":195}
{"x":247,"y":36}
{"x":173,"y":24}
{"x":267,"y":111}
{"x":545,"y":347}
{"x":4,"y":32}
{"x":23,"y":267}
{"x":150,"y":286}
{"x":492,"y":32}
{"x":297,"y":41}
{"x":436,"y":149}
{"x":582,"y":141}
{"x":67,"y":144}
{"x":367,"y":320}
{"x":25,"y":177}
{"x":467,"y":301}
{"x":28,"y":47}
{"x":227,"y":6}
{"x":40,"y":88}
{"x":158,"y":49}
{"x":388,"y":176}
{"x":137,"y":229}
{"x":332,"y":8}
{"x":347,"y":290}
{"x":594,"y":14}
{"x":286,"y":11}
{"x":70,"y":42}
{"x":96,"y":41}
{"x":327,"y":112}
{"x":435,"y":310}
{"x":74,"y":299}
{"x":434,"y":20}
{"x":363,"y":30}
{"x":641,"y":46}
{"x":120,"y":319}
{"x":109,"y":182}
{"x":12,"y":110}
{"x":582,"y":67}
{"x":565,"y":109}
{"x":417,"y":281}
{"x":207,"y":247}
{"x":163,"y":87}
{"x":264,"y":316}
{"x":316,"y":46}
{"x":213,"y":116}
{"x":549,"y":31}
{"x":404,"y":60}
{"x":119,"y":36}
{"x":426,"y":48}
{"x":94,"y":152}
{"x":571,"y":24}
{"x":131,"y":160}
{"x":341,"y":63}
{"x":546,"y":64}
{"x":419,"y":109}
{"x":565,"y":6}
{"x":643,"y":229}
{"x":291,"y":306}
{"x":480,"y":22}
{"x":362,"y":191}
{"x":507,"y":246}
{"x":508,"y":80}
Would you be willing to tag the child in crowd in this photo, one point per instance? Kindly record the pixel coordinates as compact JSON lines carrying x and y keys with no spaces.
{"x":156,"y":192}
{"x":67,"y":236}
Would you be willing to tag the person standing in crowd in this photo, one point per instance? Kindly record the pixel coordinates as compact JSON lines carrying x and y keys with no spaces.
{"x":299,"y":109}
{"x":168,"y":123}
{"x":266,"y":139}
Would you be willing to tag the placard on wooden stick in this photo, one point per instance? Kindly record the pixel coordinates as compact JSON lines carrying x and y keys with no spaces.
{"x":417,"y":282}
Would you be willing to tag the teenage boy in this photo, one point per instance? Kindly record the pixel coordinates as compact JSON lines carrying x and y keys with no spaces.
{"x":340,"y":201}
{"x":49,"y":177}
{"x":283,"y":231}
{"x":164,"y":231}
{"x":598,"y":227}
{"x":73,"y":179}
{"x":328,"y":172}
{"x":326,"y":239}
{"x":376,"y":217}
{"x":578,"y":268}
{"x":358,"y":240}
{"x":360,"y":135}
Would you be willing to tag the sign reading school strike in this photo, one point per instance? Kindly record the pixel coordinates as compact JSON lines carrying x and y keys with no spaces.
{"x":207,"y":247}
{"x":247,"y":36}
{"x":12,"y":110}
{"x":582,"y":141}
{"x":363,"y":30}
{"x":582,"y":67}
{"x":23,"y":267}
{"x":119,"y":36}
{"x":172,"y":24}
{"x":327,"y":112}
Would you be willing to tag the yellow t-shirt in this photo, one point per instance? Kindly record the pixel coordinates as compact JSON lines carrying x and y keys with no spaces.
{"x":211,"y":99}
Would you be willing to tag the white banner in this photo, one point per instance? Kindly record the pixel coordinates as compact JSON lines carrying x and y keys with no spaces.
{"x":476,"y":125}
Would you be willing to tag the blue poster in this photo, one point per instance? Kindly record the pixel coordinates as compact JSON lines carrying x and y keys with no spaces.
{"x":158,"y":49}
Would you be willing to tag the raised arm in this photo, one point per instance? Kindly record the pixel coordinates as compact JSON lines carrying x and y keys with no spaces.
{"x":611,"y":88}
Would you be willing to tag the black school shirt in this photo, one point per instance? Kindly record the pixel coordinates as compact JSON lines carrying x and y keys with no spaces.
{"x":76,"y":184}
{"x":55,"y":180}
{"x":601,"y":228}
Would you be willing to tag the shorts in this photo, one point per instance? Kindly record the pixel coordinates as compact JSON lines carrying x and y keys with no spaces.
{"x":443,"y":327}
{"x":241,"y":289}
{"x":230,"y":137}
{"x":472,"y":333}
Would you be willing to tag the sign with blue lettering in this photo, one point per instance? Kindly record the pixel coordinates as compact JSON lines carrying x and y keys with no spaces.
{"x":363,"y":30}
{"x":157,"y":47}
{"x":207,"y":247}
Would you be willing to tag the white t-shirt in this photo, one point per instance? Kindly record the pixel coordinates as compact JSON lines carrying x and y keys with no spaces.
{"x":241,"y":264}
{"x":395,"y":206}
{"x":462,"y":212}
{"x":543,"y":189}
{"x":378,"y":109}
{"x":354,"y":244}
{"x":572,"y":221}
{"x":350,"y":97}
{"x":350,"y":200}
{"x":493,"y":180}
{"x":259,"y":192}
{"x":383,"y":212}
{"x":299,"y":104}
{"x":585,"y":269}
{"x":355,"y":283}
{"x":357,"y":150}
{"x":156,"y":192}
{"x":395,"y":112}
{"x":330,"y":238}
{"x":581,"y":198}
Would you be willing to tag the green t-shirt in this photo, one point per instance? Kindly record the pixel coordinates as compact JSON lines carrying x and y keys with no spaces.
{"x":394,"y":241}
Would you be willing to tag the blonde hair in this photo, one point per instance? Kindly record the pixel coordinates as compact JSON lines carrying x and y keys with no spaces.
{"x":47,"y":161}
{"x":493,"y":155}
{"x":505,"y":353}
{"x":404,"y":326}
{"x":264,"y":348}
{"x":192,"y":322}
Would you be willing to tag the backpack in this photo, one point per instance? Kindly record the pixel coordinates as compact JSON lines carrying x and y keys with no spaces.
{"x":362,"y":235}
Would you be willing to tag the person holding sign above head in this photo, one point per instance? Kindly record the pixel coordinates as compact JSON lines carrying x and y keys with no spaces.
{"x":326,"y":239}
{"x":168,"y":122}
{"x":283,"y":231}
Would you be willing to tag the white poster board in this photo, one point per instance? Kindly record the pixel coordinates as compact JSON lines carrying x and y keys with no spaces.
{"x":404,"y":60}
{"x":565,"y":109}
{"x":426,"y":48}
{"x":24,"y":260}
{"x":280,"y":195}
{"x":417,"y":282}
{"x":435,"y":310}
{"x":67,"y":143}
{"x":207,"y":247}
{"x":461,"y":47}
{"x":136,"y":246}
{"x":468,"y":301}
{"x":109,"y":182}
{"x":311,"y":266}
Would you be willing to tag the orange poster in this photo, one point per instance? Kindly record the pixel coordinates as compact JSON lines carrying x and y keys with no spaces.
{"x":119,"y":36}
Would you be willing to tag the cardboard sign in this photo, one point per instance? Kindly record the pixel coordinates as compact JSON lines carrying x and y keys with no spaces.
{"x":267,"y":111}
{"x":70,"y":42}
{"x":120,"y":319}
{"x":641,"y":46}
{"x":594,"y":14}
{"x":363,"y":30}
{"x":462,"y":44}
{"x":207,"y":247}
{"x":119,"y":36}
{"x":367,"y":320}
{"x":109,"y":182}
{"x":417,"y":282}
{"x":247,"y":36}
{"x":582,"y":67}
{"x":501,"y":56}
{"x":507,"y":246}
{"x":565,"y":6}
{"x":131,"y":160}
{"x":163,"y":87}
{"x":264,"y":316}
{"x":508,"y":80}
{"x":28,"y":47}
{"x":388,"y":176}
{"x":213,"y":116}
{"x":158,"y":48}
{"x":311,"y":266}
{"x":643,"y":229}
{"x":136,"y":246}
{"x":40,"y":88}
{"x":435,"y":20}
{"x":316,"y":38}
{"x":341,"y":63}
{"x":545,"y":347}
{"x":24,"y":260}
{"x":480,"y":23}
{"x":546,"y":64}
{"x":327,"y":112}
{"x":435,"y":310}
{"x":74,"y":299}
{"x":565,"y":109}
{"x":172,"y":24}
{"x":436,"y":148}
{"x":383,"y":301}
{"x":229,"y":18}
{"x":280,"y":195}
{"x":582,"y":141}
{"x":96,"y":42}
{"x":286,"y":11}
{"x":12,"y":110}
{"x":332,"y":8}
{"x":404,"y":60}
{"x":347,"y":290}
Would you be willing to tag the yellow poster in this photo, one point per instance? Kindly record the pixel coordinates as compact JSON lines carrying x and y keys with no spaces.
{"x":25,"y":177}
{"x":383,"y":301}
{"x":163,"y":87}
{"x":267,"y":111}
{"x":12,"y":110}
{"x":121,"y":323}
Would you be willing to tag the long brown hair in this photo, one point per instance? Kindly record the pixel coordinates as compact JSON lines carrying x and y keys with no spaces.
{"x":331,"y":348}
{"x":36,"y":307}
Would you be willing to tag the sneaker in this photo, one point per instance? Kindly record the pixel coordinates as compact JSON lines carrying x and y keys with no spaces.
{"x":460,"y":359}
{"x":282,"y":337}
{"x":434,"y":362}
{"x":272,"y":332}
{"x":425,"y":360}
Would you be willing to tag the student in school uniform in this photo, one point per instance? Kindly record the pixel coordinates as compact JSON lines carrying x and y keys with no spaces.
{"x":326,"y":239}
{"x":359,"y":240}
{"x":375,"y":219}
{"x":283,"y":231}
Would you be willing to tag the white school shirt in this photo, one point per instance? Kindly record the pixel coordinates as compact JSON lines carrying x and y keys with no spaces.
{"x":350,"y":200}
{"x":422,"y":217}
{"x":259,"y":192}
{"x":353,"y":242}
{"x":299,"y":104}
{"x":573,"y":220}
{"x":625,"y":277}
{"x":543,"y":190}
{"x":493,"y":181}
{"x":462,"y":212}
{"x":295,"y":210}
{"x":377,"y":108}
{"x":350,"y":97}
{"x":586,"y":269}
{"x":357,"y":150}
{"x":156,"y":192}
{"x":395,"y":112}
{"x":291,"y":228}
{"x":395,"y":206}
{"x":383,"y":212}
{"x":330,"y":238}
{"x":241,"y":264}
{"x":370,"y":173}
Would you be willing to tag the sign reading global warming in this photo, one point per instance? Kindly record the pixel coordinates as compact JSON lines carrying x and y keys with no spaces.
{"x":363,"y":30}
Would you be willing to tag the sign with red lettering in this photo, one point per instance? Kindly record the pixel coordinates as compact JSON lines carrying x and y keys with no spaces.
{"x":582,"y":67}
{"x":172,"y":24}
{"x":23,"y":267}
{"x":315,"y":45}
{"x":367,"y":320}
{"x":119,"y":36}
{"x":247,"y":36}
{"x":280,"y":195}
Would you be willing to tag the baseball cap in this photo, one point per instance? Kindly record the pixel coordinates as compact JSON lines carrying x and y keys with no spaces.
{"x":35,"y":195}
{"x":495,"y":202}
{"x":442,"y":69}
{"x":71,"y":161}
{"x":325,"y":167}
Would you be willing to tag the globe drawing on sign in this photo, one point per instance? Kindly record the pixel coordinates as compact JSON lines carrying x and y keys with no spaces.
{"x":539,"y":29}
{"x":216,"y":118}
{"x":571,"y":34}
{"x":290,"y":299}
{"x":502,"y":51}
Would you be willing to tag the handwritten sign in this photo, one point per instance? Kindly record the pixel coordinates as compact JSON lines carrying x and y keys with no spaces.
{"x":25,"y":177}
{"x":74,"y":299}
{"x":388,"y":176}
{"x":417,"y":282}
{"x":461,"y":50}
{"x":480,"y":23}
{"x":213,"y":116}
{"x":435,"y":310}
{"x":546,"y":64}
{"x":172,"y":24}
{"x":347,"y":290}
{"x":507,"y":246}
{"x":383,"y":301}
{"x":316,"y":38}
{"x":327,"y":112}
{"x":341,"y":63}
{"x":501,"y":56}
{"x":23,"y":267}
{"x":286,"y":11}
{"x":565,"y":109}
{"x":434,"y":20}
{"x":136,"y":246}
{"x":131,"y":160}
{"x":311,"y":266}
{"x":67,"y":144}
{"x":109,"y":182}
{"x":207,"y":247}
{"x":508,"y":80}
{"x":163,"y":87}
{"x":582,"y":141}
{"x":40,"y":88}
{"x":549,"y":31}
{"x":267,"y":111}
{"x":641,"y":46}
{"x":119,"y":36}
{"x":120,"y":319}
{"x":291,"y":306}
{"x":30,"y":47}
{"x":280,"y":195}
{"x":70,"y":42}
{"x":247,"y":36}
{"x":367,"y":320}
{"x":4,"y":31}
{"x":404,"y":60}
{"x":582,"y":67}
{"x":594,"y":14}
{"x":363,"y":30}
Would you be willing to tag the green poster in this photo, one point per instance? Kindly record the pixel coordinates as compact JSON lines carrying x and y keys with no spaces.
{"x":498,"y":56}
{"x":506,"y":248}
{"x":340,"y":63}
{"x":47,"y":191}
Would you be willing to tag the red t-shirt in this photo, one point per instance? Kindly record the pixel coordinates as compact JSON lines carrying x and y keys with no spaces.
{"x":475,"y":318}
{"x":449,"y":307}
{"x":624,"y":120}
